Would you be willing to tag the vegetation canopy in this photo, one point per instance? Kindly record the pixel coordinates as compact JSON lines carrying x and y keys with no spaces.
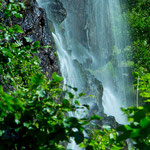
{"x":34,"y":109}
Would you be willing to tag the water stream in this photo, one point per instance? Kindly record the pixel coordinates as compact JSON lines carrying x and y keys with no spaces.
{"x":91,"y":44}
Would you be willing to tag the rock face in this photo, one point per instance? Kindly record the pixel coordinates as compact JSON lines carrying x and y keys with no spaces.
{"x":110,"y":121}
{"x":91,"y":86}
{"x":54,"y":10}
{"x":58,"y":11}
{"x":35,"y":25}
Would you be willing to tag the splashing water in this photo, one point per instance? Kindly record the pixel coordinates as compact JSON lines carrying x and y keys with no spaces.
{"x":91,"y":49}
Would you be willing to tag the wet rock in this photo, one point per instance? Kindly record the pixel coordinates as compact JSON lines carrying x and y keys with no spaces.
{"x":110,"y":121}
{"x":35,"y":25}
{"x":54,"y":10}
{"x":58,"y":11}
{"x":91,"y":86}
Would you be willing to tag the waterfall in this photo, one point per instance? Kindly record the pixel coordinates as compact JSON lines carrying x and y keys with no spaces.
{"x":91,"y":45}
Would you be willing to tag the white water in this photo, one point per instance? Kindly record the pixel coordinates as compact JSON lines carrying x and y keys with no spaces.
{"x":91,"y":47}
{"x":113,"y":108}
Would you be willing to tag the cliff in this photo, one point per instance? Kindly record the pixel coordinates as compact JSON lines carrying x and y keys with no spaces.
{"x":35,"y":25}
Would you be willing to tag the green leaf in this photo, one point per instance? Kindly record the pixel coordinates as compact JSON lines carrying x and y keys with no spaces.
{"x":27,"y":39}
{"x":135,"y":74}
{"x":76,"y":102}
{"x":128,"y":127}
{"x":148,"y":100}
{"x":1,"y":89}
{"x":71,"y":96}
{"x":41,"y":92}
{"x":18,"y":15}
{"x":22,"y":5}
{"x":18,"y":29}
{"x":87,"y":106}
{"x":75,"y":89}
{"x":11,"y":30}
{"x":56,"y":78}
{"x":17,"y":44}
{"x":36,"y":80}
{"x":26,"y":124}
{"x":36,"y":44}
{"x":81,"y":94}
{"x":17,"y":121}
{"x":79,"y":137}
{"x":2,"y":28}
{"x":135,"y":133}
{"x":111,"y":136}
{"x":7,"y":36}
{"x":145,"y":122}
{"x":95,"y":117}
{"x":65,"y":102}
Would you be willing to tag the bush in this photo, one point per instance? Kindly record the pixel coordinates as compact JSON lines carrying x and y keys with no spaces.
{"x":33,"y":109}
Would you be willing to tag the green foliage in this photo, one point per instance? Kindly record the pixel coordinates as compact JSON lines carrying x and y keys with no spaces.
{"x":32,"y":118}
{"x":139,"y":22}
{"x":139,"y":117}
{"x":102,"y":139}
{"x":144,"y":83}
{"x":33,"y":109}
{"x":138,"y":129}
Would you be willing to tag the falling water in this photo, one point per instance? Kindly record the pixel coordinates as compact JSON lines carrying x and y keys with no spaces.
{"x":91,"y":43}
